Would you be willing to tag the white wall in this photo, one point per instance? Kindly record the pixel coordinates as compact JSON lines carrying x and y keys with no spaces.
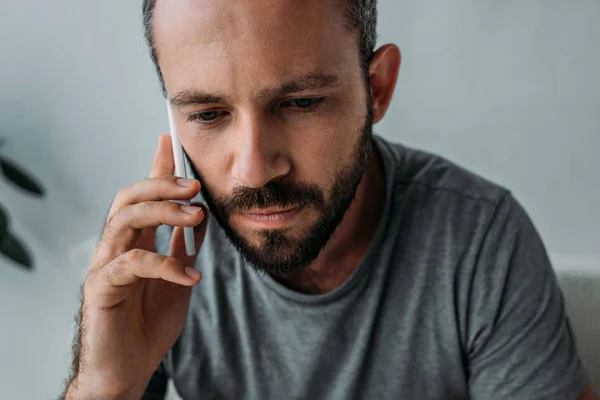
{"x":509,"y":89}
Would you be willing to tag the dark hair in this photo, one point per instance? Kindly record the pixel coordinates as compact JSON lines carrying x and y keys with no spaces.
{"x":361,"y":16}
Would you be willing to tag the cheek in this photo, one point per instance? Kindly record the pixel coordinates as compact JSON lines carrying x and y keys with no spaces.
{"x":326,"y":148}
{"x":210,"y":162}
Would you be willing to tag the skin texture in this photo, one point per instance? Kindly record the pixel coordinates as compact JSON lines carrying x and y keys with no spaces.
{"x":238,"y":56}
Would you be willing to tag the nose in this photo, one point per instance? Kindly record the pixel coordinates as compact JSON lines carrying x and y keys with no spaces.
{"x":259,"y":156}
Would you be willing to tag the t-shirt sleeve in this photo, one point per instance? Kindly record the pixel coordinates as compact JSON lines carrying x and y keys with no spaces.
{"x":520,"y":342}
{"x":157,"y":387}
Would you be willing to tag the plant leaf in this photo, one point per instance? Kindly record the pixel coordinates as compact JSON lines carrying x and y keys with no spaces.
{"x":20,"y":178}
{"x":13,"y":249}
{"x":3,"y":224}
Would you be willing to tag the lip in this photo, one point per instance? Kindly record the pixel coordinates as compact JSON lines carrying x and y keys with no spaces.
{"x":270,"y":211}
{"x":273,"y":218}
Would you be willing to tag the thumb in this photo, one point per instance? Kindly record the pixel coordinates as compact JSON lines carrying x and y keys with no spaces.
{"x":178,"y":242}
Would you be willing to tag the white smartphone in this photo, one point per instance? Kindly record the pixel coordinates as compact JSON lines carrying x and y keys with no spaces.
{"x":181,"y":172}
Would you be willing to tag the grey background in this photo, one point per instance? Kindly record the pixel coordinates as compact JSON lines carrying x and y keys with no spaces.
{"x":508,"y":89}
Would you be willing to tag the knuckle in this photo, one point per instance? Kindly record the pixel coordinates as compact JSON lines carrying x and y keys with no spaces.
{"x":114,"y":219}
{"x":106,"y":238}
{"x":113,"y":270}
{"x":159,"y":184}
{"x":89,"y":281}
{"x":107,"y":273}
{"x":143,"y":208}
{"x":133,"y":256}
{"x":168,"y":180}
{"x":98,"y":254}
{"x":147,"y":184}
{"x":109,"y":232}
{"x":170,"y":262}
{"x":165,"y":207}
{"x":121,"y":196}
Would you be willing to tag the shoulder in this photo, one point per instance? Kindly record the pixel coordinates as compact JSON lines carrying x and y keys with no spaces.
{"x":436,"y":197}
{"x":418,"y":169}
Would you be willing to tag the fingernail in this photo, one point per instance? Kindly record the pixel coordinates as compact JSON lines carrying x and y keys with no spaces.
{"x":190,"y":209}
{"x":192,"y":273}
{"x":186,"y":182}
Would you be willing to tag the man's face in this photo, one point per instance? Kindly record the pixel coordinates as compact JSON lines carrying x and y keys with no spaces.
{"x":272,"y":110}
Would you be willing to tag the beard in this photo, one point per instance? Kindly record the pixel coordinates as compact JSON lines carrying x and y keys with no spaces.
{"x":280,"y":254}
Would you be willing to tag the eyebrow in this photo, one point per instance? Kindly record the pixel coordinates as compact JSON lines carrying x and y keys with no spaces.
{"x":301,"y":83}
{"x":190,"y":97}
{"x":312,"y":81}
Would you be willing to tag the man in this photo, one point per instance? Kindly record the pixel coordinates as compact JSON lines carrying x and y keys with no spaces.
{"x":336,"y":265}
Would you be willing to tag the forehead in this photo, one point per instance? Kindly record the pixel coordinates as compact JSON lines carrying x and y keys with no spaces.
{"x":202,"y":42}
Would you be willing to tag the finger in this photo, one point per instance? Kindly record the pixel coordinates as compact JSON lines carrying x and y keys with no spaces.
{"x":178,"y":241}
{"x":156,"y":213}
{"x":122,"y":230}
{"x":163,"y":163}
{"x":142,"y":264}
{"x":158,"y":188}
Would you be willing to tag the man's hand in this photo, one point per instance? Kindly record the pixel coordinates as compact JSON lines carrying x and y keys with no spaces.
{"x":135,"y":301}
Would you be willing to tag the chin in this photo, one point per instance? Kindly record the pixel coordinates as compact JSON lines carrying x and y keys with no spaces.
{"x":278,"y":252}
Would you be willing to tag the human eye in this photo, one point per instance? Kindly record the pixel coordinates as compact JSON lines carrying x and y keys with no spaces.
{"x":304,"y":104}
{"x":206,"y":117}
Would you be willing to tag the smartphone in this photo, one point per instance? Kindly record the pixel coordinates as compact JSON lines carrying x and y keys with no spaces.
{"x":181,"y":172}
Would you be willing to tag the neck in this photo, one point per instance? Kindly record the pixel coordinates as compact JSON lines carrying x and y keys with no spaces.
{"x":349,"y":243}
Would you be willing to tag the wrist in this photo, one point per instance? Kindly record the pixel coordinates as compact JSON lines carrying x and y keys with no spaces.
{"x":90,"y":389}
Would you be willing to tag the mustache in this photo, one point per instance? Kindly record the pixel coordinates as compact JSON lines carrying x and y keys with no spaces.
{"x":282,"y":194}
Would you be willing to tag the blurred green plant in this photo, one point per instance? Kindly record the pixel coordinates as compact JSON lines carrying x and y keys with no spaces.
{"x":10,"y":246}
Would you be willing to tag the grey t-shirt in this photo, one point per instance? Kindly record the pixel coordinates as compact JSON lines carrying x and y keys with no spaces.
{"x":454,"y":299}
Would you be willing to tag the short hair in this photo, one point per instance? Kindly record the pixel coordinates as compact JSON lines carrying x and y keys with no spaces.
{"x":361,"y":17}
